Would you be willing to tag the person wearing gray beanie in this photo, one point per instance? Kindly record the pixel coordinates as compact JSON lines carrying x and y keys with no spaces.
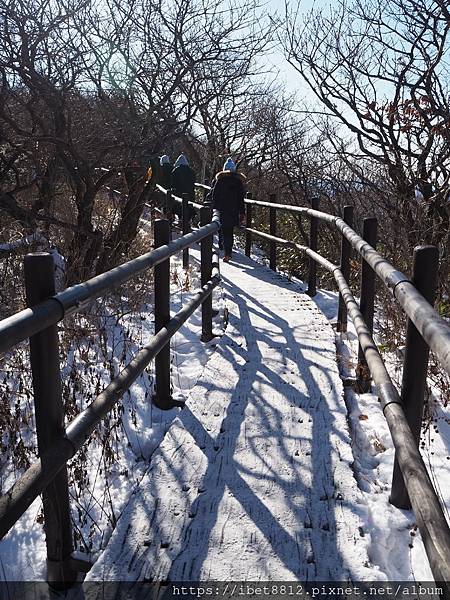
{"x":183,"y":180}
{"x":227,"y":197}
{"x":165,"y":172}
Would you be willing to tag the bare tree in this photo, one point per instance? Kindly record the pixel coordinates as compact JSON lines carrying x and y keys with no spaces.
{"x":380,"y":69}
{"x":92,"y":92}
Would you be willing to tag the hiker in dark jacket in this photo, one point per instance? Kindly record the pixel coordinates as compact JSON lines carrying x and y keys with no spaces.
{"x":183,"y":180}
{"x":165,"y":173}
{"x":228,"y":198}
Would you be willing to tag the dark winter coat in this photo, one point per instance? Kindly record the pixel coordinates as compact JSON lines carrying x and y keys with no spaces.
{"x":228,"y":197}
{"x":183,"y":180}
{"x":165,"y":175}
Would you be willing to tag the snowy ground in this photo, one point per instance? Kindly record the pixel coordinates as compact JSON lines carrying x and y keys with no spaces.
{"x":253,"y":480}
{"x":394,"y":546}
{"x":108,"y":469}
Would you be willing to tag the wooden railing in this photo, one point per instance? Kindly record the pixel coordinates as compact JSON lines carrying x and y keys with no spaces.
{"x":411,"y":484}
{"x":426,"y":329}
{"x":57,"y":443}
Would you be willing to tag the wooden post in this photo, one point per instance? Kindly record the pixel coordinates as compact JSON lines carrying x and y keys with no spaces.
{"x":248,"y":235}
{"x":313,"y":243}
{"x":169,"y":211}
{"x":205,"y":191}
{"x":206,"y":273}
{"x":366,"y":303}
{"x":49,"y":412}
{"x":346,"y":251}
{"x":185,"y":209}
{"x":163,"y":397}
{"x":273,"y":231}
{"x":415,"y":364}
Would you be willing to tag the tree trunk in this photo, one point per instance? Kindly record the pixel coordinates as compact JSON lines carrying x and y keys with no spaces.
{"x":118,"y":243}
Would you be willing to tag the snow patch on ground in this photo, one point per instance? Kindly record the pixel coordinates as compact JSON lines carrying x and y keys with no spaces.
{"x":139,"y":428}
{"x":253,"y":480}
{"x":394,"y":533}
{"x":126,"y":440}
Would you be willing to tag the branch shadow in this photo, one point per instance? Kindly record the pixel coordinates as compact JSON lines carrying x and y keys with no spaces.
{"x":272,"y":358}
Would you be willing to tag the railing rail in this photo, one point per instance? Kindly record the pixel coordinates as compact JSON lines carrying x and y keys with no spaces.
{"x":433,"y":328}
{"x":177,"y":198}
{"x":29,"y":321}
{"x":56,"y":443}
{"x":411,"y":486}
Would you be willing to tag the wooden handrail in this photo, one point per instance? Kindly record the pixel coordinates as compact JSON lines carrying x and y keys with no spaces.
{"x":38,"y":322}
{"x":412,"y":486}
{"x":43,"y":316}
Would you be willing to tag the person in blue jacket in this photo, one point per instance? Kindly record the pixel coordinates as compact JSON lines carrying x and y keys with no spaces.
{"x":228,"y":199}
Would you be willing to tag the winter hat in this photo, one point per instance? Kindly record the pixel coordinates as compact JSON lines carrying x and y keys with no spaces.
{"x":181,"y":160}
{"x":229,"y":165}
{"x":164,"y":160}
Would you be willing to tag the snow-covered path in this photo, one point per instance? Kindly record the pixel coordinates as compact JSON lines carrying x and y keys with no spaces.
{"x":253,"y":480}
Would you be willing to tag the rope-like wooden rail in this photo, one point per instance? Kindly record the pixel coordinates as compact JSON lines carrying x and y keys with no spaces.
{"x":411,"y":483}
{"x":411,"y":486}
{"x":56,"y":444}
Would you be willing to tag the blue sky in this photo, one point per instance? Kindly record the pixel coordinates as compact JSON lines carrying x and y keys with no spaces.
{"x":290,"y":77}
